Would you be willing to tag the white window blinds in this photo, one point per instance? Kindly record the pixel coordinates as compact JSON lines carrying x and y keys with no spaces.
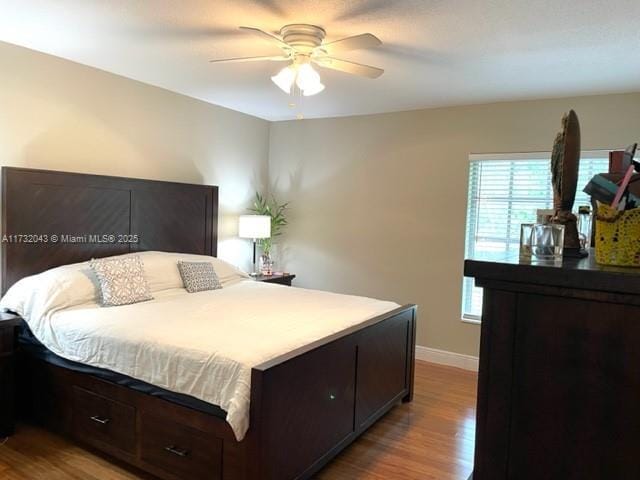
{"x":504,"y":192}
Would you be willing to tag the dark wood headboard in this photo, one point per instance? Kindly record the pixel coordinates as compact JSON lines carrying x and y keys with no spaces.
{"x":167,"y":216}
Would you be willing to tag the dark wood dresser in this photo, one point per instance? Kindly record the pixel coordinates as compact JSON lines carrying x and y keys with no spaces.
{"x":559,"y":380}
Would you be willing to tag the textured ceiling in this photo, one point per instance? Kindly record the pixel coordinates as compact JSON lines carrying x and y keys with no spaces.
{"x":435,"y":53}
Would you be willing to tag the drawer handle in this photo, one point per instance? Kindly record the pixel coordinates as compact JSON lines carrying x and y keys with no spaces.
{"x":181,"y":452}
{"x":101,"y":421}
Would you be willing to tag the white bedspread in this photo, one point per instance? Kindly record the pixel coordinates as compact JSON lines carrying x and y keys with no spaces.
{"x":203,"y":344}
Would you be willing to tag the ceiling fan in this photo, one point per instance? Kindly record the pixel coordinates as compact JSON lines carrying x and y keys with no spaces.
{"x":302,"y":46}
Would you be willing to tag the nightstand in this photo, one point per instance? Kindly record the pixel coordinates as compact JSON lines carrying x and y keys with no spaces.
{"x":281,"y":278}
{"x":8,"y":324}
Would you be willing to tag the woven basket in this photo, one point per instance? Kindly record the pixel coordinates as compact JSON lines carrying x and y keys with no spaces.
{"x":617,"y":236}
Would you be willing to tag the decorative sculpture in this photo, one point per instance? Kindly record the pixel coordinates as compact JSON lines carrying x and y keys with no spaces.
{"x":564,"y":177}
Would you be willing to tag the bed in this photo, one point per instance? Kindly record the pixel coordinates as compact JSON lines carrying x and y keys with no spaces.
{"x":326,"y":375}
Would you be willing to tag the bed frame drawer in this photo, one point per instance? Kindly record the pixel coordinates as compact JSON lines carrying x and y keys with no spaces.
{"x":102,"y":422}
{"x":7,"y":341}
{"x":183,"y":451}
{"x":7,"y":401}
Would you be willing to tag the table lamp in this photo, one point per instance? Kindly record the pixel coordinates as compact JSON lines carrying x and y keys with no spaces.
{"x":254,"y":227}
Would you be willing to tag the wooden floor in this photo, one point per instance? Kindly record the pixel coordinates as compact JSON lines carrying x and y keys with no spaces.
{"x":431,"y":438}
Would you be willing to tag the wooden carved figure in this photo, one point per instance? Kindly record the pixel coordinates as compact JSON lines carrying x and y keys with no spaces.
{"x":565,"y":159}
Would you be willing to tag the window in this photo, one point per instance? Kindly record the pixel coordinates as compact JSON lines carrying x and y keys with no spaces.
{"x":505,"y":191}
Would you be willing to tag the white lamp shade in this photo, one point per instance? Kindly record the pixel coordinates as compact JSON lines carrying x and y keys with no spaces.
{"x":303,"y":75}
{"x":254,"y":226}
{"x":313,"y":89}
{"x":285,"y":78}
{"x":307,"y":77}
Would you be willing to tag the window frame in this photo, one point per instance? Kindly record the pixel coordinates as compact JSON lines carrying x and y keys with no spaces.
{"x":520,"y":156}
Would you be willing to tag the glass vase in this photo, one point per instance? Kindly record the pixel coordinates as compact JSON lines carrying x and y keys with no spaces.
{"x":266,"y":264}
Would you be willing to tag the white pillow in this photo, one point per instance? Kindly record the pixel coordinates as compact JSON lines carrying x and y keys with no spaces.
{"x":61,"y":287}
{"x":69,"y":285}
{"x":161,"y":269}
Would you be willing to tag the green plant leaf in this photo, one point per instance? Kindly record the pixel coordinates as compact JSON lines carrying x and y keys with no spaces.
{"x":277,"y":211}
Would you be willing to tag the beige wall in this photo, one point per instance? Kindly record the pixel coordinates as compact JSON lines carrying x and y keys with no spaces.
{"x":378,"y":202}
{"x":60,"y":115}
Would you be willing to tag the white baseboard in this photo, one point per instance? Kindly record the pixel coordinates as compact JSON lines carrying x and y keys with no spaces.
{"x":442,"y":357}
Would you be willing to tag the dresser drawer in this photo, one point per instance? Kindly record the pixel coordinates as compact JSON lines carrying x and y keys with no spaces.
{"x":183,"y":451}
{"x":100,"y":421}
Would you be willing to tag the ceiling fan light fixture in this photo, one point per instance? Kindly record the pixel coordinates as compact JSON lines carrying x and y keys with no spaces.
{"x":308,"y":80}
{"x":303,"y":75}
{"x":302,"y":45}
{"x":307,"y":77}
{"x":285,"y":78}
{"x":312,"y":90}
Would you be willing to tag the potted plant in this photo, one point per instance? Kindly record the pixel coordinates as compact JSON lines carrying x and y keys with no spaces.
{"x":277,"y":211}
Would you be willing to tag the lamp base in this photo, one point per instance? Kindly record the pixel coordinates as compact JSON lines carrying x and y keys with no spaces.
{"x":255,"y":265}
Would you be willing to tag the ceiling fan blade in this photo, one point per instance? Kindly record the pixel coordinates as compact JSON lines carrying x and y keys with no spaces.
{"x":349,"y":67}
{"x":280,"y":58}
{"x":357,"y":42}
{"x":269,"y":37}
{"x":171,"y":33}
